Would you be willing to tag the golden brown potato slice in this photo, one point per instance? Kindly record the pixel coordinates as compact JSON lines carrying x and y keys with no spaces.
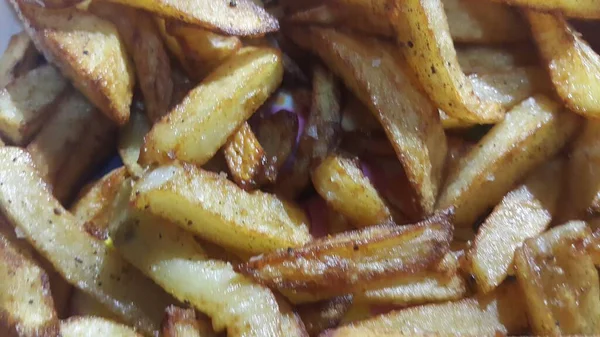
{"x":582,"y":188}
{"x":422,"y":31}
{"x":93,"y":209}
{"x":584,"y":9}
{"x":474,"y":21}
{"x":484,"y":315}
{"x":592,"y":243}
{"x":203,"y":49}
{"x":173,"y":259}
{"x":180,"y":322}
{"x":491,"y":59}
{"x":94,"y":326}
{"x":173,"y":46}
{"x":82,"y":304}
{"x":381,"y":80}
{"x":28,"y":101}
{"x":573,"y":65}
{"x":531,"y":133}
{"x":74,"y":141}
{"x":241,"y":17}
{"x":81,"y":259}
{"x":131,"y":141}
{"x":560,"y":282}
{"x":245,"y":158}
{"x":144,"y":43}
{"x":216,"y":209}
{"x":523,"y":213}
{"x":441,"y":283}
{"x":343,"y":185}
{"x":87,"y":50}
{"x":318,"y":317}
{"x":26,"y":304}
{"x":196,"y":129}
{"x":277,"y":134}
{"x":347,"y":262}
{"x":19,"y":58}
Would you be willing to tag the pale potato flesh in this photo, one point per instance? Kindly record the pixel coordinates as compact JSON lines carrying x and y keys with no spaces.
{"x":216,"y":209}
{"x":573,"y":65}
{"x":131,"y":141}
{"x":376,"y":74}
{"x":27,"y":102}
{"x":81,"y":259}
{"x":88,"y":51}
{"x":491,"y":59}
{"x":180,"y":322}
{"x":523,"y":213}
{"x":342,"y":184}
{"x":531,"y":133}
{"x":94,"y":326}
{"x":82,"y":304}
{"x":195,"y":129}
{"x":19,"y":58}
{"x":422,"y":29}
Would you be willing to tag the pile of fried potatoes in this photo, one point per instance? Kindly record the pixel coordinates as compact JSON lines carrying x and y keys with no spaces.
{"x":301,"y":168}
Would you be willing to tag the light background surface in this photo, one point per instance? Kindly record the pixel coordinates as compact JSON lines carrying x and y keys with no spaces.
{"x":8,"y":24}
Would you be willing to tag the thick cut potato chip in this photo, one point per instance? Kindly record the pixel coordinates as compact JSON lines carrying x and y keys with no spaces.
{"x":487,"y":59}
{"x":584,"y":9}
{"x":484,"y":315}
{"x":74,"y":141}
{"x":560,"y":282}
{"x":245,"y":158}
{"x":379,"y":78}
{"x":203,"y":49}
{"x":573,"y":65}
{"x":422,"y":30}
{"x":523,"y":213}
{"x":348,"y":262}
{"x":196,"y":129}
{"x":131,"y":141}
{"x":173,"y":259}
{"x":94,"y":326}
{"x":19,"y":58}
{"x":87,"y":50}
{"x":216,"y":209}
{"x":531,"y":133}
{"x":26,"y":304}
{"x":144,"y":43}
{"x":180,"y":322}
{"x":81,"y":259}
{"x":321,"y":316}
{"x":241,"y":17}
{"x":343,"y":185}
{"x":28,"y":101}
{"x":582,"y":187}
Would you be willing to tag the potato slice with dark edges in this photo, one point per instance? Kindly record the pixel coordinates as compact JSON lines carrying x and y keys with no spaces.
{"x":179,"y":322}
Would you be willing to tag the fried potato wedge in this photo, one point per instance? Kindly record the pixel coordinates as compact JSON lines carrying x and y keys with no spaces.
{"x":27,"y":102}
{"x":26,"y":304}
{"x":583,"y":9}
{"x":343,"y":185}
{"x":473,"y":21}
{"x":380,"y":79}
{"x":572,"y":64}
{"x":87,"y":50}
{"x":82,"y":260}
{"x":592,"y":244}
{"x":484,"y":315}
{"x":75,"y":140}
{"x":203,"y":49}
{"x":216,"y":209}
{"x":560,"y":282}
{"x":441,"y":283}
{"x":278,"y":135}
{"x":245,"y":158}
{"x":131,"y":141}
{"x":144,"y":43}
{"x":19,"y":58}
{"x":196,"y":129}
{"x":523,"y":213}
{"x":94,"y":326}
{"x":243,"y":18}
{"x":492,"y":59}
{"x":180,"y":322}
{"x":422,"y":31}
{"x":82,"y":304}
{"x":347,"y":262}
{"x":531,"y":133}
{"x":174,"y":260}
{"x":582,"y":187}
